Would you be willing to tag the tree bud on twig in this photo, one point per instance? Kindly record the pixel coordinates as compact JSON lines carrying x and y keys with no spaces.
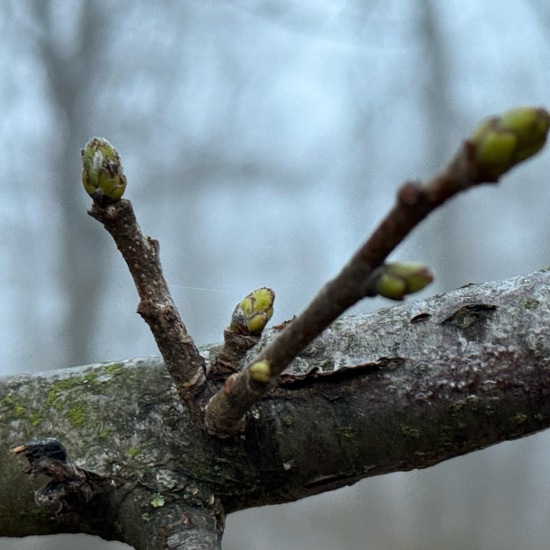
{"x":398,"y":279}
{"x":253,"y":313}
{"x":501,"y":142}
{"x":102,"y":173}
{"x":260,"y":372}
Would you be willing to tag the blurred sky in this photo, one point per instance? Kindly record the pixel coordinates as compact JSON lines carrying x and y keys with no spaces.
{"x":262,"y":141}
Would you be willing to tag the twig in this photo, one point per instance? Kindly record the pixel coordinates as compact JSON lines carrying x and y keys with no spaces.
{"x":497,"y":145}
{"x":141,"y":253}
{"x":104,"y":180}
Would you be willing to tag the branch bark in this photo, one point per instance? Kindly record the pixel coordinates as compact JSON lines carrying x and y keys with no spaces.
{"x":402,"y":388}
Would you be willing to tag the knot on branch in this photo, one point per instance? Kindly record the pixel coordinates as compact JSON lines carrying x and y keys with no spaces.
{"x":72,"y":490}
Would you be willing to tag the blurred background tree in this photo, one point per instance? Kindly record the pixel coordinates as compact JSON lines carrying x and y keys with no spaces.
{"x":263,"y":140}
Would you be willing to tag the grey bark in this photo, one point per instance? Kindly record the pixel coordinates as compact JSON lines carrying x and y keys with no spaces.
{"x":403,"y":388}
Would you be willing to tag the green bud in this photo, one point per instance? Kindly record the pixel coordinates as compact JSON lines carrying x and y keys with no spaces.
{"x":501,"y":142}
{"x":252,"y":314}
{"x":391,"y":287}
{"x":530,"y":124}
{"x":496,"y":148}
{"x":260,"y":372}
{"x":102,"y":173}
{"x":399,"y":279}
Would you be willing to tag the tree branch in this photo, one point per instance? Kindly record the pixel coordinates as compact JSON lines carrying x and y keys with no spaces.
{"x":173,"y":525}
{"x":498,"y":144}
{"x":141,"y":253}
{"x":493,"y":149}
{"x":104,"y":180}
{"x":403,"y":388}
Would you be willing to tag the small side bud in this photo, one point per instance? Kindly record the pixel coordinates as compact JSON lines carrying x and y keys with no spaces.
{"x":102,"y":173}
{"x":252,"y":314}
{"x":260,"y":372}
{"x":391,"y":287}
{"x":398,"y":279}
{"x":501,"y":142}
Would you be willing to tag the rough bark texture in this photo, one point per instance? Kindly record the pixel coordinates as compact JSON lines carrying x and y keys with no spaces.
{"x":403,"y":388}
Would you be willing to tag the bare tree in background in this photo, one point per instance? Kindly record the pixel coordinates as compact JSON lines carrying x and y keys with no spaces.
{"x":74,"y":72}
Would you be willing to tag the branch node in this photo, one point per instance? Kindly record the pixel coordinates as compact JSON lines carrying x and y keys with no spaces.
{"x":411,"y":193}
{"x":71,"y":488}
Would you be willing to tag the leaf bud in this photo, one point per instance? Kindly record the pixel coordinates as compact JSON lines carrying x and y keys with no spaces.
{"x":102,"y":173}
{"x":260,"y":371}
{"x":501,"y":142}
{"x":401,"y":278}
{"x":252,"y":314}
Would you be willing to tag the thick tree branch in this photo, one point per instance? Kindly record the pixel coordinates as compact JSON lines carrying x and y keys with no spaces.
{"x":173,"y":525}
{"x":477,"y":161}
{"x":80,"y":500}
{"x":498,"y":144}
{"x":402,"y":388}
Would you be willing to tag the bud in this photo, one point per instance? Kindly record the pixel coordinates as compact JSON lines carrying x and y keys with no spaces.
{"x":252,"y":314}
{"x":102,"y":173}
{"x":260,"y":372}
{"x":398,"y":279}
{"x":501,"y":142}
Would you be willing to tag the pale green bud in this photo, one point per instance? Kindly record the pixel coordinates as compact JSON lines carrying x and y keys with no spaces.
{"x":501,"y":142}
{"x":253,"y":313}
{"x":391,"y":287}
{"x":401,"y":278}
{"x":260,"y":371}
{"x":102,"y":173}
